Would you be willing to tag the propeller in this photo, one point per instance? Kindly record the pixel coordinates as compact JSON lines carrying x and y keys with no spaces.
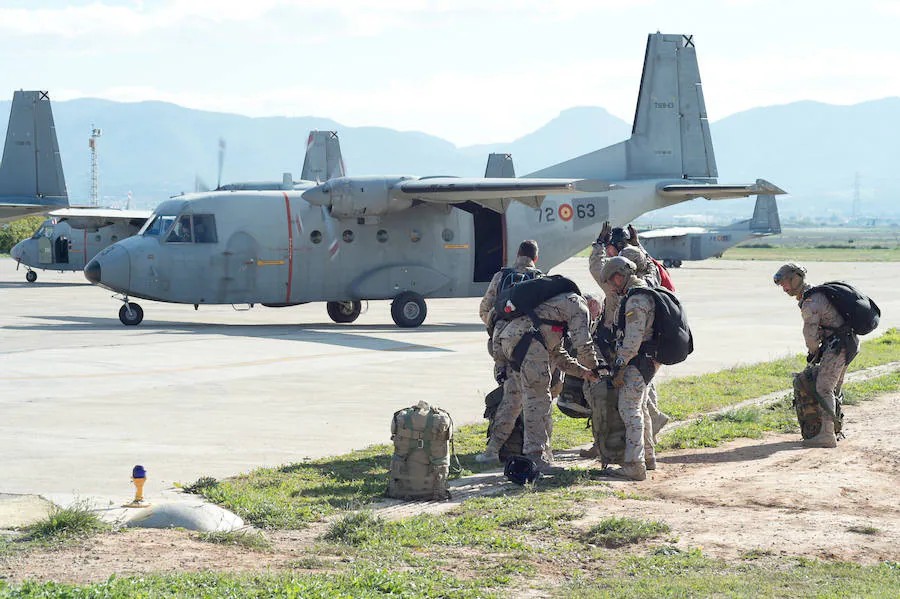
{"x":334,"y":246}
{"x":221,"y":161}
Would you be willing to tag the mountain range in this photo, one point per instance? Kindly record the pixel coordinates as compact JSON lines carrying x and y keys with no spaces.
{"x":155,"y":149}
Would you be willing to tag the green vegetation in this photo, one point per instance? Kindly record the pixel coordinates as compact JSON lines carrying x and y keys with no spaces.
{"x":63,"y":524}
{"x":814,"y":254}
{"x":248,"y":539}
{"x":14,"y":232}
{"x":822,"y":244}
{"x":618,"y":532}
{"x":865,"y":530}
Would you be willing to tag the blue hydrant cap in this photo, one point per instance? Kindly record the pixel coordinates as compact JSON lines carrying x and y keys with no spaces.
{"x":138,"y":472}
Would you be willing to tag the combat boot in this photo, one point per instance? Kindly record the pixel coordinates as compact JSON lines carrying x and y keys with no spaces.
{"x":651,"y":464}
{"x":825,"y":438}
{"x":543,"y":465}
{"x":631,"y":471}
{"x":491,"y":454}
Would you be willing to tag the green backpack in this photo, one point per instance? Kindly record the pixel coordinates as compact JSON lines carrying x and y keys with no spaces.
{"x":810,"y":406}
{"x":606,"y":422}
{"x":420,"y":467}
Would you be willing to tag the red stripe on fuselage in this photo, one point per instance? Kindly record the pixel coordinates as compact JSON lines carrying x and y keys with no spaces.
{"x":290,"y":224}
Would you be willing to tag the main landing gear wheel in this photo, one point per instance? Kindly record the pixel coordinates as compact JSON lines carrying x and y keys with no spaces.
{"x":408,"y":310}
{"x":344,"y":312}
{"x":131,"y":314}
{"x":31,"y":276}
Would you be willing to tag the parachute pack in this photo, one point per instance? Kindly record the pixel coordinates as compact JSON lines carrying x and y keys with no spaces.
{"x":516,"y":440}
{"x":810,"y":406}
{"x":672,"y":340}
{"x":420,"y":467}
{"x":523,"y":297}
{"x":859,"y":312}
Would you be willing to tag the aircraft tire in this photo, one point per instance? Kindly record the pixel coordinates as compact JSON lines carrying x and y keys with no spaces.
{"x":31,"y":276}
{"x":668,"y":263}
{"x":137,"y":314}
{"x":678,"y":264}
{"x":344,"y":312}
{"x":409,"y":310}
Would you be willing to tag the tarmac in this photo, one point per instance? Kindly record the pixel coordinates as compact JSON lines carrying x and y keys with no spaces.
{"x":220,"y":391}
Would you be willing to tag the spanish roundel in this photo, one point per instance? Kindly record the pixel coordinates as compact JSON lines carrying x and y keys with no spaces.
{"x":565,"y":212}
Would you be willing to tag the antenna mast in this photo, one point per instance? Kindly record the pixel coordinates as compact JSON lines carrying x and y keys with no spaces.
{"x":95,"y":167}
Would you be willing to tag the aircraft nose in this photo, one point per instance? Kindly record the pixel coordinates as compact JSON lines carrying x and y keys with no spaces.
{"x":92,"y":272}
{"x":18,"y":251}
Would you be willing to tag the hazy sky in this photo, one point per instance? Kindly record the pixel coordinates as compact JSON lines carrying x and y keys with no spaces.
{"x":470,"y":71}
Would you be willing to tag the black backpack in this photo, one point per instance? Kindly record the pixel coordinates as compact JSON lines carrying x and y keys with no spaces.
{"x":672,"y":340}
{"x":523,"y":297}
{"x":859,"y":312}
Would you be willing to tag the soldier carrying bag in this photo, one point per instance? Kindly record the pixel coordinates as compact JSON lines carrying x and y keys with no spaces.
{"x":421,"y":465}
{"x":810,"y":406}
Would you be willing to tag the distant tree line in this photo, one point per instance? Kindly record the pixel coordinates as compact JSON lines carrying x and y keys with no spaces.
{"x":14,"y":232}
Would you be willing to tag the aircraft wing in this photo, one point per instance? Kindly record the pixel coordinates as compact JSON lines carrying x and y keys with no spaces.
{"x":714,"y":191}
{"x":495,"y":193}
{"x":670,"y":233}
{"x":95,"y":218}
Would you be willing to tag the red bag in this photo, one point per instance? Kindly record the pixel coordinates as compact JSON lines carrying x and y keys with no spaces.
{"x":664,"y":279}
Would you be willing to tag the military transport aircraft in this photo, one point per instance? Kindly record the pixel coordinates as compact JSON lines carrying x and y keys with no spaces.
{"x":70,"y":237}
{"x":672,"y":246}
{"x":31,"y":177}
{"x":407,"y":238}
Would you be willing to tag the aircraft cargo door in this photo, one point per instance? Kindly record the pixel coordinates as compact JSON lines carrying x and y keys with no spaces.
{"x":489,"y":234}
{"x":238,"y":283}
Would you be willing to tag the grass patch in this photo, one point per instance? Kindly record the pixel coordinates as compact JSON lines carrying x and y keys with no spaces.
{"x":248,"y":539}
{"x":618,"y":532}
{"x":830,"y":253}
{"x":864,"y":530}
{"x":63,"y":524}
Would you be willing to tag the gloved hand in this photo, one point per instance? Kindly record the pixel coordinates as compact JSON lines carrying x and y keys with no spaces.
{"x":633,"y":236}
{"x":605,"y":234}
{"x":810,"y":357}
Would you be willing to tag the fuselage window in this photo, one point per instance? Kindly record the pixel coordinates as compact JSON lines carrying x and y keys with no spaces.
{"x":381,"y":236}
{"x":205,"y":228}
{"x":181,"y":232}
{"x":347,"y":236}
{"x":158,"y":226}
{"x":316,"y":237}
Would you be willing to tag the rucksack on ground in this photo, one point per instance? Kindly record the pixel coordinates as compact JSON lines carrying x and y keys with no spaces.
{"x":607,"y":425}
{"x":523,"y":297}
{"x":420,"y":467}
{"x":810,"y":406}
{"x":516,"y":440}
{"x":859,"y":312}
{"x":672,"y":340}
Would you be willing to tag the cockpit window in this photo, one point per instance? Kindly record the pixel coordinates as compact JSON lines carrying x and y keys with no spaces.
{"x":157,"y":226}
{"x":45,"y":230}
{"x":205,"y":228}
{"x":181,"y":232}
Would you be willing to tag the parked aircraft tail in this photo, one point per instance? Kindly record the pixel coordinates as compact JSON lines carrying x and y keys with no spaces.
{"x":765,"y":216}
{"x":31,"y":173}
{"x":670,"y":137}
{"x":323,"y":159}
{"x":499,"y":166}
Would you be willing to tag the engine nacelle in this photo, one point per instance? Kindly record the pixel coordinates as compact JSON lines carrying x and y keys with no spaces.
{"x":355,"y":197}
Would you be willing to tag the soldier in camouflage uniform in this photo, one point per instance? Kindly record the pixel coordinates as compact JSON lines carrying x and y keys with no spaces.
{"x":561,"y":313}
{"x":637,"y":313}
{"x":831,"y":350}
{"x":511,"y":405}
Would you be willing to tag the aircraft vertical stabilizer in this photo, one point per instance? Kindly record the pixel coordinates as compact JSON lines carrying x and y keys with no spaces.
{"x":499,"y":166}
{"x":670,"y":137}
{"x":323,"y":159}
{"x":31,"y":173}
{"x":765,"y":216}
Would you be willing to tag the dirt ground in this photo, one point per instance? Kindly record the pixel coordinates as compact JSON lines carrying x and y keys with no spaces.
{"x":769,"y":496}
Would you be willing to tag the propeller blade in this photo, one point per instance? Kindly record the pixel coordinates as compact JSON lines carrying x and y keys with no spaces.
{"x":333,"y":246}
{"x":221,"y":161}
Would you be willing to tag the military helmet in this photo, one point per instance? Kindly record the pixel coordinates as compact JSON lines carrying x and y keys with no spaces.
{"x":521,"y":470}
{"x":617,"y":265}
{"x":792,"y":273}
{"x":618,"y":238}
{"x":636,"y":256}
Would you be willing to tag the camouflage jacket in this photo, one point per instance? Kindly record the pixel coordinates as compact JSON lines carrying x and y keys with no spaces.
{"x":820,"y":319}
{"x":522,"y":264}
{"x":568,"y":308}
{"x":639,"y":313}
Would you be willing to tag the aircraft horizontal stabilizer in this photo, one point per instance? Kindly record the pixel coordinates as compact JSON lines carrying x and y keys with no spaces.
{"x":714,"y":191}
{"x":92,"y":219}
{"x":496,"y":193}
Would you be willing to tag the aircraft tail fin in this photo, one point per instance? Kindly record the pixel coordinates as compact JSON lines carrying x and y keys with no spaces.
{"x":670,"y":137}
{"x":31,"y":171}
{"x":765,"y":216}
{"x":323,"y":159}
{"x":499,"y":166}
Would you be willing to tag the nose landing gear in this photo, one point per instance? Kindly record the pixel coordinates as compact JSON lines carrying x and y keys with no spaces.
{"x":31,"y":276}
{"x":131,"y":314}
{"x":344,"y":312}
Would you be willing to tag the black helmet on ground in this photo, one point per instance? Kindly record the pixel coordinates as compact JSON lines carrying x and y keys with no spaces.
{"x":521,"y":470}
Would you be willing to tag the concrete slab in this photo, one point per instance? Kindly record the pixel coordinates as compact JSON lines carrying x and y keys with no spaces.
{"x":17,"y":511}
{"x":217,"y":392}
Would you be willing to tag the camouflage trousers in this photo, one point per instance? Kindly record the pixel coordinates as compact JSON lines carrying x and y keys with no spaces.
{"x":533,"y":380}
{"x":633,"y":408}
{"x":509,"y":409}
{"x":832,"y":369}
{"x":652,"y":403}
